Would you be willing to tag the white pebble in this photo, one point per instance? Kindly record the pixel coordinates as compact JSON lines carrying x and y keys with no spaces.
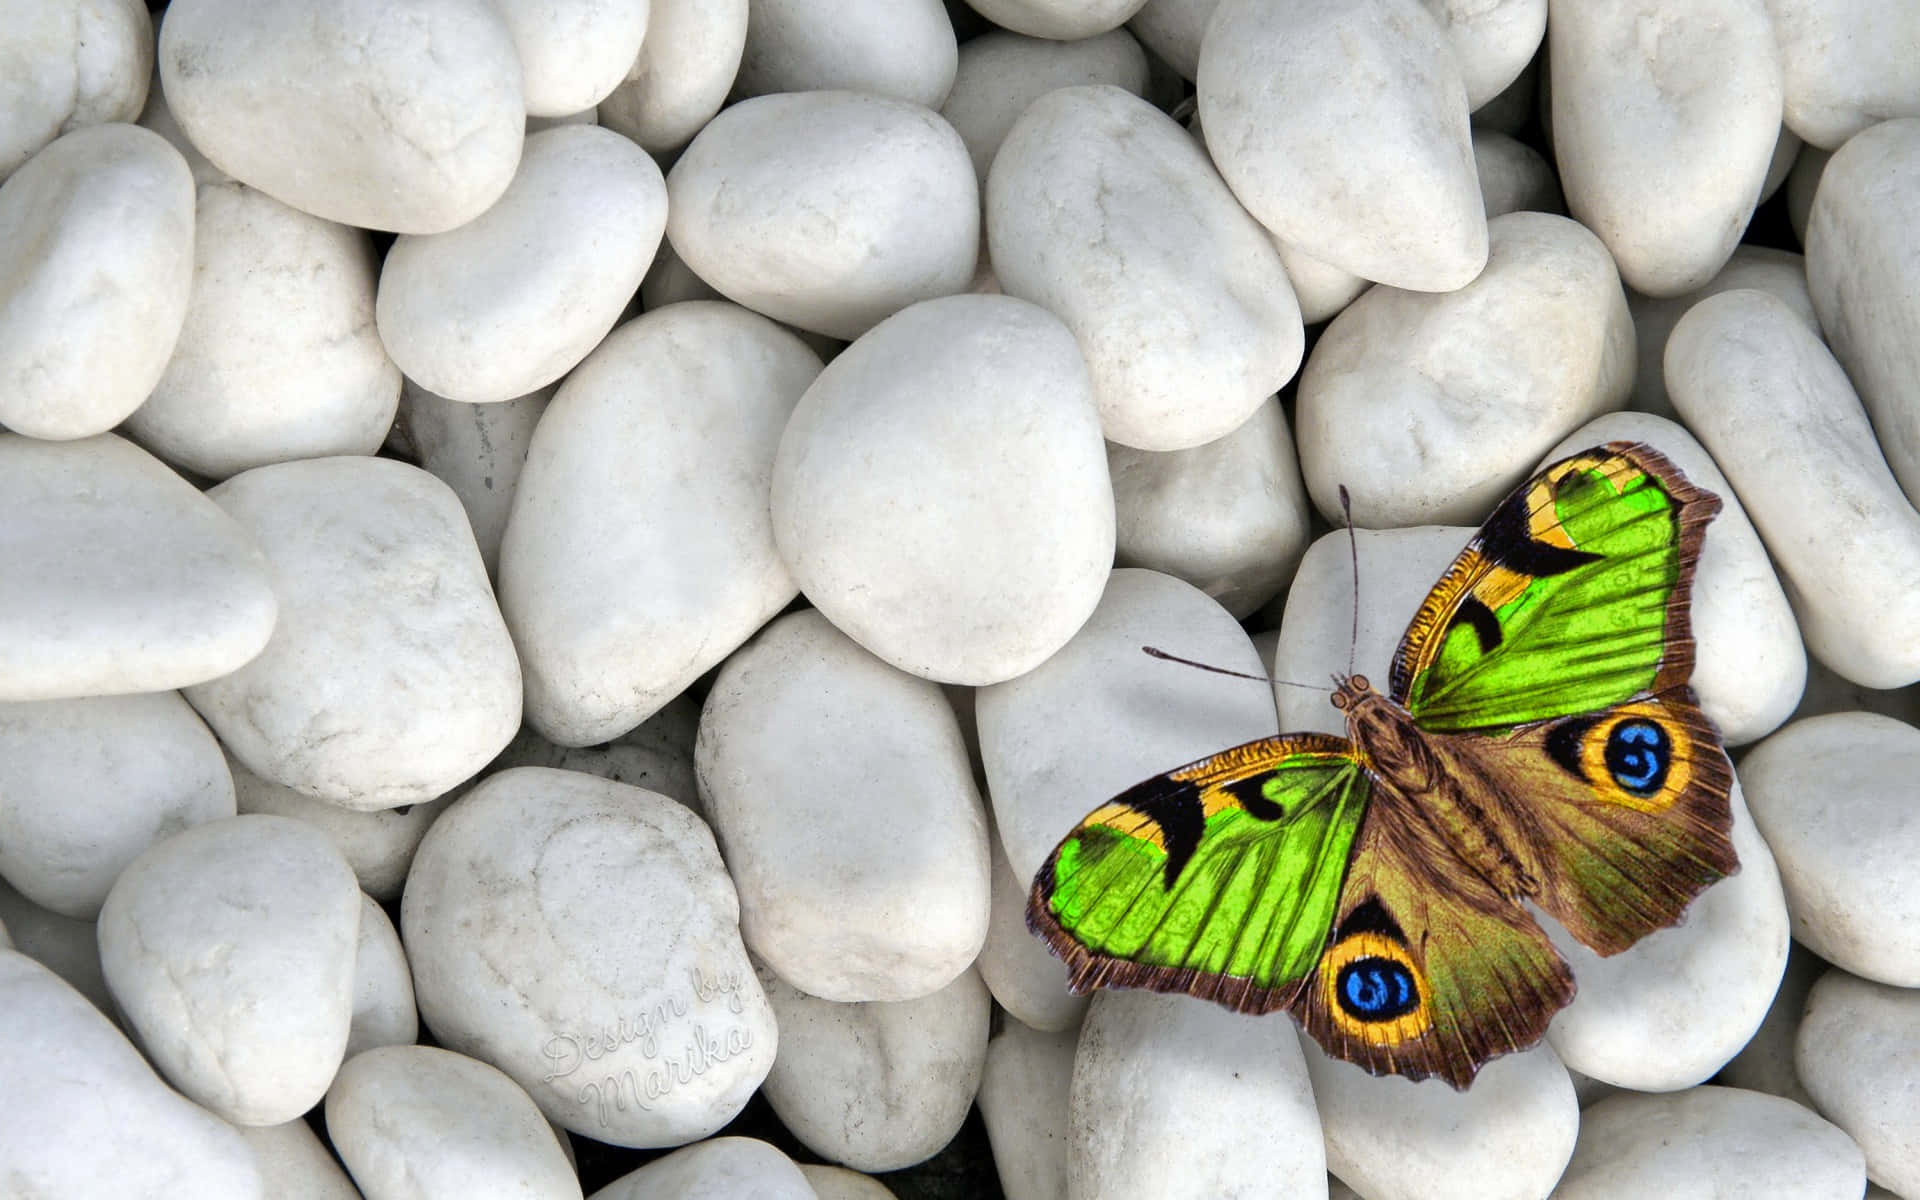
{"x":477,"y":450}
{"x":390,"y":677}
{"x":120,"y":576}
{"x":83,"y":1115}
{"x":826,"y":210}
{"x":862,"y":876}
{"x":1665,"y":117}
{"x":941,"y":491}
{"x":1863,"y":255}
{"x":1758,"y":388}
{"x":86,"y":785}
{"x":1833,"y":796}
{"x":1494,"y":41}
{"x":1025,"y":1093}
{"x":1343,"y":129}
{"x":1017,"y":967}
{"x":877,"y":1086}
{"x":418,"y":1121}
{"x":1102,"y":210}
{"x":714,"y":1170}
{"x":294,"y":1165}
{"x":899,"y":48}
{"x":1183,"y":1065}
{"x":1859,"y":1053}
{"x":572,"y":52}
{"x":96,"y":246}
{"x":383,"y":1006}
{"x":683,"y":72}
{"x":378,"y":844}
{"x":1001,"y":73}
{"x":1709,"y":1141}
{"x":674,"y":419}
{"x":583,"y":936}
{"x":1848,"y":64}
{"x":230,"y":948}
{"x":1430,"y":408}
{"x":1230,"y":516}
{"x":1062,"y":20}
{"x":70,"y":63}
{"x":400,"y":117}
{"x":514,"y":299}
{"x":1781,"y":272}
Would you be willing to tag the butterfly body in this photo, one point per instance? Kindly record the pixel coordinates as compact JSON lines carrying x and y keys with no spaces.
{"x":1537,"y":744}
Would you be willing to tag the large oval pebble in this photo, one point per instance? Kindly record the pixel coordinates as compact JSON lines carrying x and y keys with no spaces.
{"x":1834,"y":797}
{"x":583,"y":936}
{"x":572,"y":53}
{"x":120,"y":576}
{"x":512,"y":300}
{"x":675,"y":419}
{"x":826,"y":210}
{"x":390,"y":677}
{"x":83,"y":1115}
{"x":230,"y":948}
{"x":70,"y":63}
{"x":680,"y":78}
{"x":96,"y":254}
{"x":1758,"y":388}
{"x":713,"y":1170}
{"x":406,"y":117}
{"x":1781,"y":272}
{"x":1025,"y":1092}
{"x":1848,"y":65}
{"x":899,"y":48}
{"x":941,"y":492}
{"x":1493,"y":39}
{"x":1858,"y":1051}
{"x":1102,"y":210}
{"x":1429,"y":408}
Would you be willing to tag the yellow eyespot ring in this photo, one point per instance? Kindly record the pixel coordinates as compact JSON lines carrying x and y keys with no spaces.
{"x":1371,"y":970}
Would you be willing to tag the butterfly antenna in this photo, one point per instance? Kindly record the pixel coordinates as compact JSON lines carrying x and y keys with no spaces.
{"x":1353,"y":552}
{"x":1157,"y":652}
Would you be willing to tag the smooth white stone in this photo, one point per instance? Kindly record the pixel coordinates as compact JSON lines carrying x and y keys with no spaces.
{"x":65,"y":64}
{"x":827,"y":210}
{"x":583,"y":936}
{"x":1493,"y":42}
{"x":1758,"y":388}
{"x":1101,"y":210}
{"x":656,"y":754}
{"x":1665,"y":117}
{"x":1863,"y":253}
{"x":230,"y":948}
{"x":573,"y":52}
{"x":390,"y":677}
{"x":1750,"y":667}
{"x":1514,"y":177}
{"x":1509,"y":1135}
{"x":1765,"y":1063}
{"x":405,"y":117}
{"x":96,"y":248}
{"x":714,"y":1170}
{"x":677,"y":417}
{"x":1781,"y":272}
{"x":1833,"y":796}
{"x":1859,"y":1052}
{"x":899,"y":48}
{"x":86,"y":785}
{"x":861,"y":877}
{"x":838,"y":1183}
{"x":1848,"y":64}
{"x":877,"y":1086}
{"x":515,"y":298}
{"x":1230,"y":516}
{"x":1322,"y":290}
{"x":1430,"y":408}
{"x":1173,"y":29}
{"x":1803,"y":183}
{"x":941,"y":492}
{"x":378,"y":845}
{"x":1062,"y":20}
{"x":1705,"y":1141}
{"x":1100,"y":716}
{"x":67,"y":947}
{"x":418,"y":1121}
{"x":682,"y":74}
{"x":477,"y":450}
{"x":1025,"y":1092}
{"x":120,"y":576}
{"x":383,"y":1011}
{"x":83,"y":1115}
{"x":1000,"y":74}
{"x":294,"y":1165}
{"x":1182,"y":1064}
{"x":1343,"y":129}
{"x":1017,"y":967}
{"x":1670,"y":1012}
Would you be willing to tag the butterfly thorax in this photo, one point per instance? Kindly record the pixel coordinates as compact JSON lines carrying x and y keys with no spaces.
{"x":1411,"y":767}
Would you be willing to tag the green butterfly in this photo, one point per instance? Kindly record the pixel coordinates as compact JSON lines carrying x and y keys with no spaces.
{"x":1538,"y":743}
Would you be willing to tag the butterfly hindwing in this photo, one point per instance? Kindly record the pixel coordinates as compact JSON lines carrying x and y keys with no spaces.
{"x":1219,"y":879}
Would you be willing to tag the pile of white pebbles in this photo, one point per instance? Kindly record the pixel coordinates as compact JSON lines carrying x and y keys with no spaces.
{"x":310,"y":754}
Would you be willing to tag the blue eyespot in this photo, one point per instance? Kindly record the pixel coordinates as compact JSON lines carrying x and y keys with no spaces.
{"x":1638,"y":755}
{"x":1376,"y":989}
